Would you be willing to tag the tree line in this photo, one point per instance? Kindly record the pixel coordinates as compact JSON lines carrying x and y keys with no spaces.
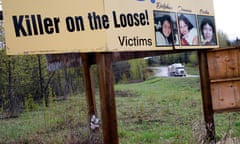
{"x":25,"y":81}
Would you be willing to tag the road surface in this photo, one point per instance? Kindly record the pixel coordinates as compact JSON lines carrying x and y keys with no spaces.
{"x":163,"y":72}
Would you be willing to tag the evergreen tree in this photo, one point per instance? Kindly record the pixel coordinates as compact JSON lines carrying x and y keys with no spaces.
{"x":223,"y":39}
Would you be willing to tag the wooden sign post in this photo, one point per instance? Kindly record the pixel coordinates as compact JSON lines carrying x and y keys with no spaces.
{"x":107,"y":98}
{"x":89,"y":86}
{"x":206,"y":96}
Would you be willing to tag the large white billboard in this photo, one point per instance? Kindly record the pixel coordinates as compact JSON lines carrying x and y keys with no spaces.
{"x":60,"y":26}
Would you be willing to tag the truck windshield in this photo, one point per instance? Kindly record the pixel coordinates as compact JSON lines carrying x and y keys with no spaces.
{"x":180,"y":68}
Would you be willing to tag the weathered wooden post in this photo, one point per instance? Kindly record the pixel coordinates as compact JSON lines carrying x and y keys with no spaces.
{"x":89,"y":86}
{"x":107,"y":98}
{"x":206,"y":95}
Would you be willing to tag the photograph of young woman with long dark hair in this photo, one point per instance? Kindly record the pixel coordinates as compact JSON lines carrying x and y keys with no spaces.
{"x":188,"y":30}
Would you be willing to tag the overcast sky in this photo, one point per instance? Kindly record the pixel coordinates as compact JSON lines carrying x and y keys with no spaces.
{"x":227,"y":16}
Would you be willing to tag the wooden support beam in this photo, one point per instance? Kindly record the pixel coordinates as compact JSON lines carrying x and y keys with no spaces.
{"x":107,"y":98}
{"x":122,"y":56}
{"x":89,"y":86}
{"x":206,"y":96}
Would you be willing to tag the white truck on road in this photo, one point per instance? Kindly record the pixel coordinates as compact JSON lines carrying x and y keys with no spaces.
{"x":176,"y":69}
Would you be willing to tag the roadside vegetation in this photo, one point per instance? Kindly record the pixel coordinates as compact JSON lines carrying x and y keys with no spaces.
{"x":159,"y":110}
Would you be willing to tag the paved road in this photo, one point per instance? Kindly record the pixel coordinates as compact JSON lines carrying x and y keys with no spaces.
{"x":163,"y":72}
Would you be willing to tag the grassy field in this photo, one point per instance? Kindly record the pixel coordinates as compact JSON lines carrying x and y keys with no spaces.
{"x":157,"y":111}
{"x":168,"y":110}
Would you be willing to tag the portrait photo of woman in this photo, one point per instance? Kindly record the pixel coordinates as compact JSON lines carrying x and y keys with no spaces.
{"x":207,"y":30}
{"x":165,"y":28}
{"x":188,"y":31}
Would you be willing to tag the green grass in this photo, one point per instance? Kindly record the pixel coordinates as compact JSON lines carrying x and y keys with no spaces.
{"x":157,"y":111}
{"x":161,"y":112}
{"x":192,"y":70}
{"x":45,"y":125}
{"x":167,"y":110}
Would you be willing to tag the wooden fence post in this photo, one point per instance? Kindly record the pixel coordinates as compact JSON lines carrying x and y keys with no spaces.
{"x":107,"y":98}
{"x":89,"y":86}
{"x":206,"y":96}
